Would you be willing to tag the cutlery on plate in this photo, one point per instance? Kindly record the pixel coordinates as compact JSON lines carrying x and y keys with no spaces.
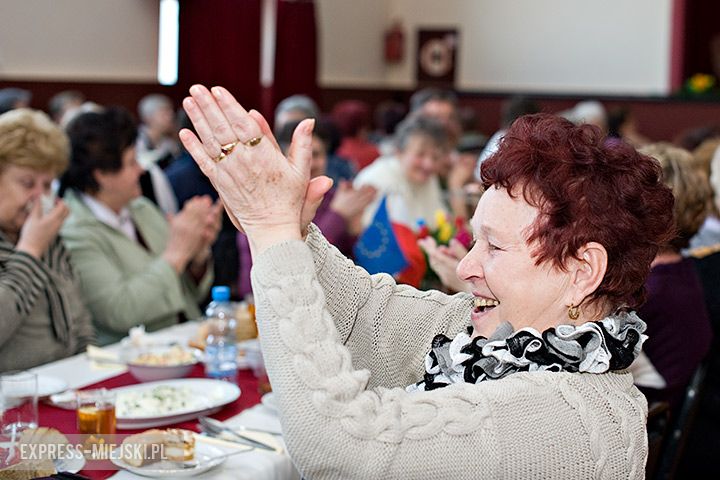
{"x":212,"y":426}
{"x":243,"y":428}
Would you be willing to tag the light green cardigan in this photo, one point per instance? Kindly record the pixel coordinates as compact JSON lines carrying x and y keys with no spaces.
{"x":123,"y":283}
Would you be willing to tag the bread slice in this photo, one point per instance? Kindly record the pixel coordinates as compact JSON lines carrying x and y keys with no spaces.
{"x":27,"y":470}
{"x":43,"y":435}
{"x":33,"y":468}
{"x":154,"y":445}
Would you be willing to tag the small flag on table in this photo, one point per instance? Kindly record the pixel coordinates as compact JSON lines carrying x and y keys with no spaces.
{"x":377,"y":250}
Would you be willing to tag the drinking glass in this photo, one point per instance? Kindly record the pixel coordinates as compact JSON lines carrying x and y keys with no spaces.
{"x":18,"y":390}
{"x":96,"y":411}
{"x":18,"y":411}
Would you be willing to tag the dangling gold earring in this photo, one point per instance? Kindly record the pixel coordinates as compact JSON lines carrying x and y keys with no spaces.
{"x":574,"y":312}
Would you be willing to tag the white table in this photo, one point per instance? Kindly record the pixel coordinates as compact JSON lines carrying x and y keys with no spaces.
{"x":78,"y":372}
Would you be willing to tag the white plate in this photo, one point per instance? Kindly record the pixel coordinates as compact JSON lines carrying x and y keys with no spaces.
{"x":48,"y":385}
{"x":270,"y":402}
{"x":209,"y":394}
{"x":71,"y":464}
{"x":203,"y":452}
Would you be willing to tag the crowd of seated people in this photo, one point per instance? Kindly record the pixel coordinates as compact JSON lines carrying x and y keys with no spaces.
{"x":679,"y":329}
{"x":139,"y":220}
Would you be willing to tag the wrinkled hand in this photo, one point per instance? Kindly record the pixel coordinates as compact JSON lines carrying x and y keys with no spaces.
{"x":263,"y":191}
{"x":40,"y":230}
{"x":444,"y":261}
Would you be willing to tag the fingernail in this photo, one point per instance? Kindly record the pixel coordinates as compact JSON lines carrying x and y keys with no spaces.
{"x":195,"y":90}
{"x":310,"y":126}
{"x":217,"y":92}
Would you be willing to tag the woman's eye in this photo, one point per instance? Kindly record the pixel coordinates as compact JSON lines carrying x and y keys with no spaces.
{"x":492,"y":247}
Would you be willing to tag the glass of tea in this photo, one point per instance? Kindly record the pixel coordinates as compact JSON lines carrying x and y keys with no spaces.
{"x":96,"y":411}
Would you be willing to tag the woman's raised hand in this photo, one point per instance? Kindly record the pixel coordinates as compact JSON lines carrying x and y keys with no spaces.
{"x":40,"y":229}
{"x":263,"y":191}
{"x":444,"y":261}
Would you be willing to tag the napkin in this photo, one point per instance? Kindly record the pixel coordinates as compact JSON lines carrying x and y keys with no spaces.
{"x":101,"y":359}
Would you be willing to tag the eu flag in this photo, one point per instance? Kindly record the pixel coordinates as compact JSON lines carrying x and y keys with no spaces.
{"x":377,"y":250}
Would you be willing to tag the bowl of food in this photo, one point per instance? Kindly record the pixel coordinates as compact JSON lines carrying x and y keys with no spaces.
{"x":156,"y":362}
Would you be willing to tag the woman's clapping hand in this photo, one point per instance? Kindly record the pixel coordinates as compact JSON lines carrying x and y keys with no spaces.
{"x":444,"y":261}
{"x":192,"y":231}
{"x":350,"y":203}
{"x":267,"y":195}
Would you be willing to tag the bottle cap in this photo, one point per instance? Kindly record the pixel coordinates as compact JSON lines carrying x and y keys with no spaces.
{"x":220,"y":294}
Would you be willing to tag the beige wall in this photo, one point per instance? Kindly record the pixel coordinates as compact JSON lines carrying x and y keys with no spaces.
{"x":548,"y":46}
{"x":551,"y":46}
{"x":350,"y":41}
{"x":79,"y":40}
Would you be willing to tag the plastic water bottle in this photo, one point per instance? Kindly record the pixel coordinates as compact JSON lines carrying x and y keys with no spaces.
{"x":220,"y":344}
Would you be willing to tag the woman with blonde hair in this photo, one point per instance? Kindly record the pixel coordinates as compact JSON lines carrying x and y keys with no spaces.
{"x":43,"y":315}
{"x":678,"y":326}
{"x":708,"y":234}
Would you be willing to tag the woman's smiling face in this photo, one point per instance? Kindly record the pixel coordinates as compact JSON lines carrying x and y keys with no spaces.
{"x":502,"y":271}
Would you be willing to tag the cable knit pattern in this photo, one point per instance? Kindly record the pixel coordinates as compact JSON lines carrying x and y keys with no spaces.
{"x":336,"y":341}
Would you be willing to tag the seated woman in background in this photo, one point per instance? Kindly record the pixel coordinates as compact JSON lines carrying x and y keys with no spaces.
{"x":135,"y":267}
{"x":338,"y":216}
{"x":409,"y":178}
{"x":677,"y":321}
{"x":532,"y":384}
{"x":700,"y":455}
{"x":43,"y":317}
{"x":352,"y":118}
{"x":709,"y":233}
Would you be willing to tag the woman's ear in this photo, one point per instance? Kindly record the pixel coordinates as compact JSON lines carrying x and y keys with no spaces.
{"x":99,"y":178}
{"x":588,"y":270}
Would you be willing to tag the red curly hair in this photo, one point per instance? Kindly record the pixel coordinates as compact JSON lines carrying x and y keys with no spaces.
{"x":587,"y":190}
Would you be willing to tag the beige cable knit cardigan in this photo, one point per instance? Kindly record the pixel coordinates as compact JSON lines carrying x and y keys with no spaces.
{"x":339,"y":346}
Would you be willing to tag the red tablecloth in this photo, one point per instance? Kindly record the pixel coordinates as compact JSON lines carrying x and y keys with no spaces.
{"x":66,"y":422}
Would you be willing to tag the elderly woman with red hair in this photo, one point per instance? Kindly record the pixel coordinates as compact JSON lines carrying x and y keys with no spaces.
{"x":524,"y":378}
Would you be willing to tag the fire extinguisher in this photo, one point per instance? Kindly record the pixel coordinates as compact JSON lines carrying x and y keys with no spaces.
{"x":394,"y":43}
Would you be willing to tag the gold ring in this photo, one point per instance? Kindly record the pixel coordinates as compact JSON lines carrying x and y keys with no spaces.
{"x":228,"y":147}
{"x":220,"y":157}
{"x":253,"y":141}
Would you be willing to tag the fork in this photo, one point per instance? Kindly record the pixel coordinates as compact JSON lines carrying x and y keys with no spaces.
{"x":210,"y":425}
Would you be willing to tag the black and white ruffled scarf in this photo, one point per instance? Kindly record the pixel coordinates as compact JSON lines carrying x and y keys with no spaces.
{"x":593,"y":347}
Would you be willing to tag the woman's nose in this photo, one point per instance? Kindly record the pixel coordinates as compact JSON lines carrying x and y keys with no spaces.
{"x":470,"y":267}
{"x":37,"y":191}
{"x":429,"y":164}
